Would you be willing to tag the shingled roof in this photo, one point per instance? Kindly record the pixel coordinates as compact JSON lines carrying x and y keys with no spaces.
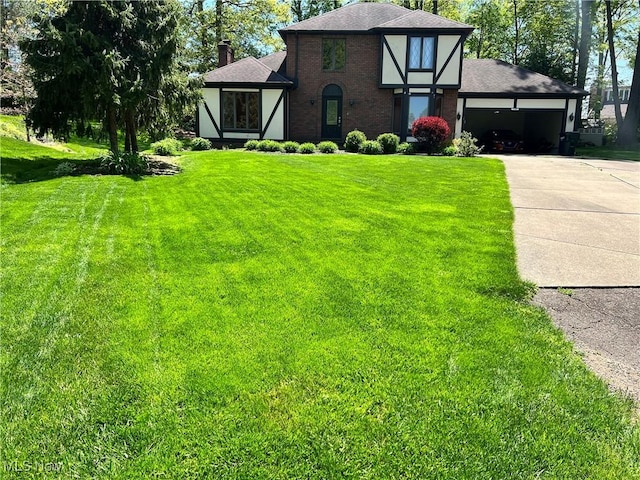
{"x":487,"y":77}
{"x":365,"y":17}
{"x":248,"y":71}
{"x":275,"y":61}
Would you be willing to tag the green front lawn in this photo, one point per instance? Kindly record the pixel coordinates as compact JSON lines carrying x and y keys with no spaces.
{"x":611,"y":152}
{"x":284,"y":316}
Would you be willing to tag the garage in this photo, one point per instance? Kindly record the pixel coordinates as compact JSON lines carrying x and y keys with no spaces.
{"x":496,"y":95}
{"x":539,"y":129}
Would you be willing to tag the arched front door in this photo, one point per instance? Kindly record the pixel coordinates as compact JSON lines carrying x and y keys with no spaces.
{"x":332,"y":112}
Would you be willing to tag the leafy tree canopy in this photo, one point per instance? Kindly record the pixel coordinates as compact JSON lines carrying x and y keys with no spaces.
{"x":116,"y":61}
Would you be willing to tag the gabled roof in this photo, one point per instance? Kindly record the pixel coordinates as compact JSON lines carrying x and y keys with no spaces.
{"x":487,"y":77}
{"x":246,"y":71}
{"x":365,"y":17}
{"x":419,"y":19}
{"x":275,"y":61}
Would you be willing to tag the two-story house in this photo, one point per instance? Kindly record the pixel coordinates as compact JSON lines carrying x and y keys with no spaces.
{"x":608,"y":109}
{"x":375,"y":67}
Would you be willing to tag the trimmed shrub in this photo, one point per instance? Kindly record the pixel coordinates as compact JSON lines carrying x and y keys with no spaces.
{"x":167,"y":147}
{"x":251,"y":144}
{"x":370,"y":147}
{"x":450,"y":151}
{"x":63,"y":169}
{"x":466,"y":145}
{"x":200,"y":143}
{"x":327,"y":147}
{"x":269,"y":146}
{"x":389,"y":142}
{"x":353,"y":141}
{"x":406,"y":149}
{"x":431,"y":132}
{"x":307,"y":147}
{"x":290,"y":147}
{"x":123,"y":163}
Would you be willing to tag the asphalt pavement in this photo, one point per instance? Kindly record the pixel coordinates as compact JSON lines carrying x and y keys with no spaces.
{"x":577,"y":235}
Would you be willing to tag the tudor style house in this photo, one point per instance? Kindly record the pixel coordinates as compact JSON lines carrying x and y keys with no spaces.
{"x":375,"y":67}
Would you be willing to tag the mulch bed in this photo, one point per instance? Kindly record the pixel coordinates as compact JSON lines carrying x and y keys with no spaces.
{"x":158,"y":165}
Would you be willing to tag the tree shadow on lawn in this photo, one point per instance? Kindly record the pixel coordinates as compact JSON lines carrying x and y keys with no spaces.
{"x":20,"y":170}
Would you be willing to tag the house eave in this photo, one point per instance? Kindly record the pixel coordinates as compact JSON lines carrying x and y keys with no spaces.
{"x":462,"y":94}
{"x":262,"y":85}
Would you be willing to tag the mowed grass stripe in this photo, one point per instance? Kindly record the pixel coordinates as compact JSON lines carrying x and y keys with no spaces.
{"x":275,"y":316}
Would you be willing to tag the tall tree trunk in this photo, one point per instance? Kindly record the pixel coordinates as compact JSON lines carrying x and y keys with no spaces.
{"x":515,"y":38}
{"x":628,"y":134}
{"x":614,"y":68}
{"x":435,"y":7}
{"x":585,"y":42}
{"x":112,"y":127}
{"x":296,"y":10}
{"x":602,"y":65}
{"x":127,"y":139}
{"x":576,"y":40}
{"x":219,"y":21}
{"x":130,"y":139}
{"x":130,"y":123}
{"x":586,"y":31}
{"x":203,"y":33}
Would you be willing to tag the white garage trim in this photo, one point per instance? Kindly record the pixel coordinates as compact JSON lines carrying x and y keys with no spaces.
{"x":542,"y":103}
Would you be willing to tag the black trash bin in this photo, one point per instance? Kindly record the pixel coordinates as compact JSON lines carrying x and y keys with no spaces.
{"x":568,"y":143}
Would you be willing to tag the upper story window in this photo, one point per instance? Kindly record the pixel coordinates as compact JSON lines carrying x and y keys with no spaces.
{"x":333,"y":54}
{"x":623,"y":94}
{"x":240,"y":111}
{"x":421,"y":51}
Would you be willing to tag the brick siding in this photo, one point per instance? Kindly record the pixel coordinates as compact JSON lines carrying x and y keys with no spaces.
{"x":450,"y":108}
{"x":372,"y":111}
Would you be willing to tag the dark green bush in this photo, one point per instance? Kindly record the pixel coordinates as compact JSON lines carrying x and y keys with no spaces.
{"x":307,"y":147}
{"x":269,"y":146}
{"x":389,"y":142}
{"x":123,"y":163}
{"x":167,"y":147}
{"x":370,"y":147}
{"x":251,"y":144}
{"x":327,"y":147}
{"x":200,"y":143}
{"x":64,"y":169}
{"x":353,"y":141}
{"x":290,"y":146}
{"x":406,"y":148}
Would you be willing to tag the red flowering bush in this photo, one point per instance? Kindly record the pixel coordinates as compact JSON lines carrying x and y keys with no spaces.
{"x":431,"y":132}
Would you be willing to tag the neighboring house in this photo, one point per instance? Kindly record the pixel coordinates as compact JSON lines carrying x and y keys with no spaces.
{"x":375,"y":67}
{"x":608,"y":110}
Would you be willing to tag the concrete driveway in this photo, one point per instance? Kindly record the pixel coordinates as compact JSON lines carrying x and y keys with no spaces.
{"x":577,"y":225}
{"x":577,"y":221}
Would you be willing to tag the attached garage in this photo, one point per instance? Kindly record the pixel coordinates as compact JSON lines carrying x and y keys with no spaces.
{"x":499,"y":96}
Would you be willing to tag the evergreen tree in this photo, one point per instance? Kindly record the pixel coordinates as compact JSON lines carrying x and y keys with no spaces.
{"x":106,"y":60}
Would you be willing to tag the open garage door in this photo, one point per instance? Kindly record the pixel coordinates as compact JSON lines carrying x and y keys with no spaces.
{"x":540,"y":129}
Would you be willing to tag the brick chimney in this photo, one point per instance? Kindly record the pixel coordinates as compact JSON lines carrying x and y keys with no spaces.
{"x":225,"y":53}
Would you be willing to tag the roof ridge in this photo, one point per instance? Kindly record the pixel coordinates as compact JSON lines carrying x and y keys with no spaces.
{"x":410,"y":12}
{"x":429,"y":14}
{"x":369,"y":4}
